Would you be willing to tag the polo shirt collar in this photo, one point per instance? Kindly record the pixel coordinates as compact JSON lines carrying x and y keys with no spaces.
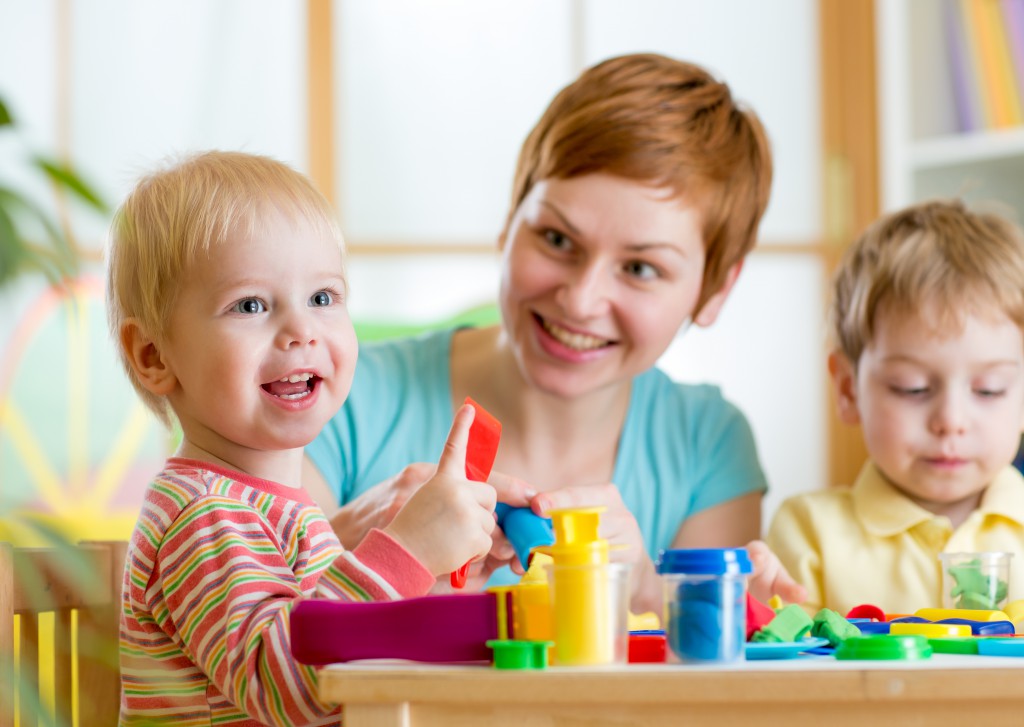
{"x":885,"y":511}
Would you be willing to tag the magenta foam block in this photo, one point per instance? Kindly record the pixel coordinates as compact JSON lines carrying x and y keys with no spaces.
{"x":450,"y":628}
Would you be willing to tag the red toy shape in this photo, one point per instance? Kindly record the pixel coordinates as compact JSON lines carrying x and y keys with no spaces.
{"x":866,"y":610}
{"x":758,"y":615}
{"x":482,"y":448}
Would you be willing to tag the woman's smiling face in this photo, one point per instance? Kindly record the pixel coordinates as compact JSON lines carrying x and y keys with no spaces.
{"x":598,"y":275}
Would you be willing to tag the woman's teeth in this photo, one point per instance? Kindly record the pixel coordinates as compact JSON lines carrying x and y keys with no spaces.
{"x":577,"y":341}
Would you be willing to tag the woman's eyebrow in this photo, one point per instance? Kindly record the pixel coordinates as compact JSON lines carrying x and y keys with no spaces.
{"x":644,"y":246}
{"x":558,"y":213}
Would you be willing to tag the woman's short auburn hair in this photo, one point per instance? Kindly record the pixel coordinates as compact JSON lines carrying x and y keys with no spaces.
{"x":657,"y":120}
{"x":936,"y":258}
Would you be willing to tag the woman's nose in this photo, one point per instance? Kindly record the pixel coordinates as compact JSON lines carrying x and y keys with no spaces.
{"x":586,"y":293}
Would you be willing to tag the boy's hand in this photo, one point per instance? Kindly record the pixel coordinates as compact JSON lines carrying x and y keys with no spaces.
{"x":770,"y":578}
{"x":449,"y":520}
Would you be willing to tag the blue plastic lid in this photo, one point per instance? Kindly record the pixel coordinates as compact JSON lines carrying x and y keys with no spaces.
{"x":704,"y":561}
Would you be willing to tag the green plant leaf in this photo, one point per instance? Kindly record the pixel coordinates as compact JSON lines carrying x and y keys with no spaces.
{"x":12,"y":251}
{"x":63,"y":176}
{"x":5,"y":115}
{"x":56,"y":263}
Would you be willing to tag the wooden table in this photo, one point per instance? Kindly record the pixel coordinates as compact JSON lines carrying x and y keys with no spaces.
{"x":970,"y":690}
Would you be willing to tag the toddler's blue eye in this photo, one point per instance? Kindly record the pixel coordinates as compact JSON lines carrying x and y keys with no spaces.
{"x":320,"y":298}
{"x":250,"y":306}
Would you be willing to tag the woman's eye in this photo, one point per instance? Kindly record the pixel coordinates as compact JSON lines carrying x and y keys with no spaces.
{"x":557,"y":240}
{"x":249,"y":306}
{"x":320,"y":298}
{"x":641,"y":270}
{"x":990,"y":393}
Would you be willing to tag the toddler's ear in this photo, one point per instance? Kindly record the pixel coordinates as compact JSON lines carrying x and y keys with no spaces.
{"x":145,"y":358}
{"x":844,"y":379}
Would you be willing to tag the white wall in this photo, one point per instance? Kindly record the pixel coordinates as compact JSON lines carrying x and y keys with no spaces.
{"x":433,"y":101}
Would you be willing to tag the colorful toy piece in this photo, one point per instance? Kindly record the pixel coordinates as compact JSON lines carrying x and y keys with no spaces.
{"x":974,"y":589}
{"x":531,"y":602}
{"x":450,"y":628}
{"x":930,"y":630}
{"x":525,"y":530}
{"x":975,"y":580}
{"x":830,"y":625}
{"x":510,"y":654}
{"x":790,"y":624}
{"x":590,"y":596}
{"x":1015,"y":611}
{"x":886,"y":648}
{"x":647,"y":647}
{"x":705,"y":602}
{"x":758,"y":615}
{"x":866,"y":610}
{"x":482,"y":448}
{"x":1001,"y":647}
{"x":938,"y":614}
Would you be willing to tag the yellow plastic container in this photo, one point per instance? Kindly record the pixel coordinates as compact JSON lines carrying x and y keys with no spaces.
{"x":589,"y":595}
{"x":531,"y":603}
{"x":590,"y":613}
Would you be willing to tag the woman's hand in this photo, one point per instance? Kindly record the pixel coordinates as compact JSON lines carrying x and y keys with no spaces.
{"x":377,"y":507}
{"x":620,"y":528}
{"x":618,"y":525}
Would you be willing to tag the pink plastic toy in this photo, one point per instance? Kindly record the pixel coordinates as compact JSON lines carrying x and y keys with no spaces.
{"x":450,"y":628}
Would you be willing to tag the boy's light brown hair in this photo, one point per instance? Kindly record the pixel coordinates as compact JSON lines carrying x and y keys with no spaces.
{"x":937,"y":257}
{"x":653,"y":119}
{"x":175,"y":215}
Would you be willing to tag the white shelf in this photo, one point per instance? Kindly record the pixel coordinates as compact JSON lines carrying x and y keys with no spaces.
{"x":969,"y":148}
{"x":922,"y":154}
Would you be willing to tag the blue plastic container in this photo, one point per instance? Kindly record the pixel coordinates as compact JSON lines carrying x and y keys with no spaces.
{"x":705,"y":598}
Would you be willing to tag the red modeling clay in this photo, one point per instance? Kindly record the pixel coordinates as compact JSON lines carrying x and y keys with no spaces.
{"x":481,"y":450}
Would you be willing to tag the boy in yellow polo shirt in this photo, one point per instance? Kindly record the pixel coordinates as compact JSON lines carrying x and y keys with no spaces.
{"x":927,"y":316}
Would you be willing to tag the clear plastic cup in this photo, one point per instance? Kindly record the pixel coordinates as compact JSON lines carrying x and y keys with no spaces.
{"x":705,"y":598}
{"x":976,"y":581}
{"x":590,"y":613}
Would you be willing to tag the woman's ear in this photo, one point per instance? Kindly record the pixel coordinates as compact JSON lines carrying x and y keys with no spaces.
{"x":145,"y":358}
{"x":844,"y":381}
{"x":708,"y":313}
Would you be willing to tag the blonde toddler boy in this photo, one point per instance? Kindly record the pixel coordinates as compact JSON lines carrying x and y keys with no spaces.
{"x":227,"y":295}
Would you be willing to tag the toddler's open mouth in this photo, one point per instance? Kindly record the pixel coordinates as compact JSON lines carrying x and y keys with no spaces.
{"x":292,"y":387}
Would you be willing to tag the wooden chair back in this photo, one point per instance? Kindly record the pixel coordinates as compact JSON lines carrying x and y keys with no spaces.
{"x":82,"y":579}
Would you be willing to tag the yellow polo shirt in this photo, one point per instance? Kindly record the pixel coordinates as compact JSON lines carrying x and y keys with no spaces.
{"x":870,"y":544}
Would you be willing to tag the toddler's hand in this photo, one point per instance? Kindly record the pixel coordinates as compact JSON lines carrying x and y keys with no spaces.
{"x":449,"y":520}
{"x":770,"y":578}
